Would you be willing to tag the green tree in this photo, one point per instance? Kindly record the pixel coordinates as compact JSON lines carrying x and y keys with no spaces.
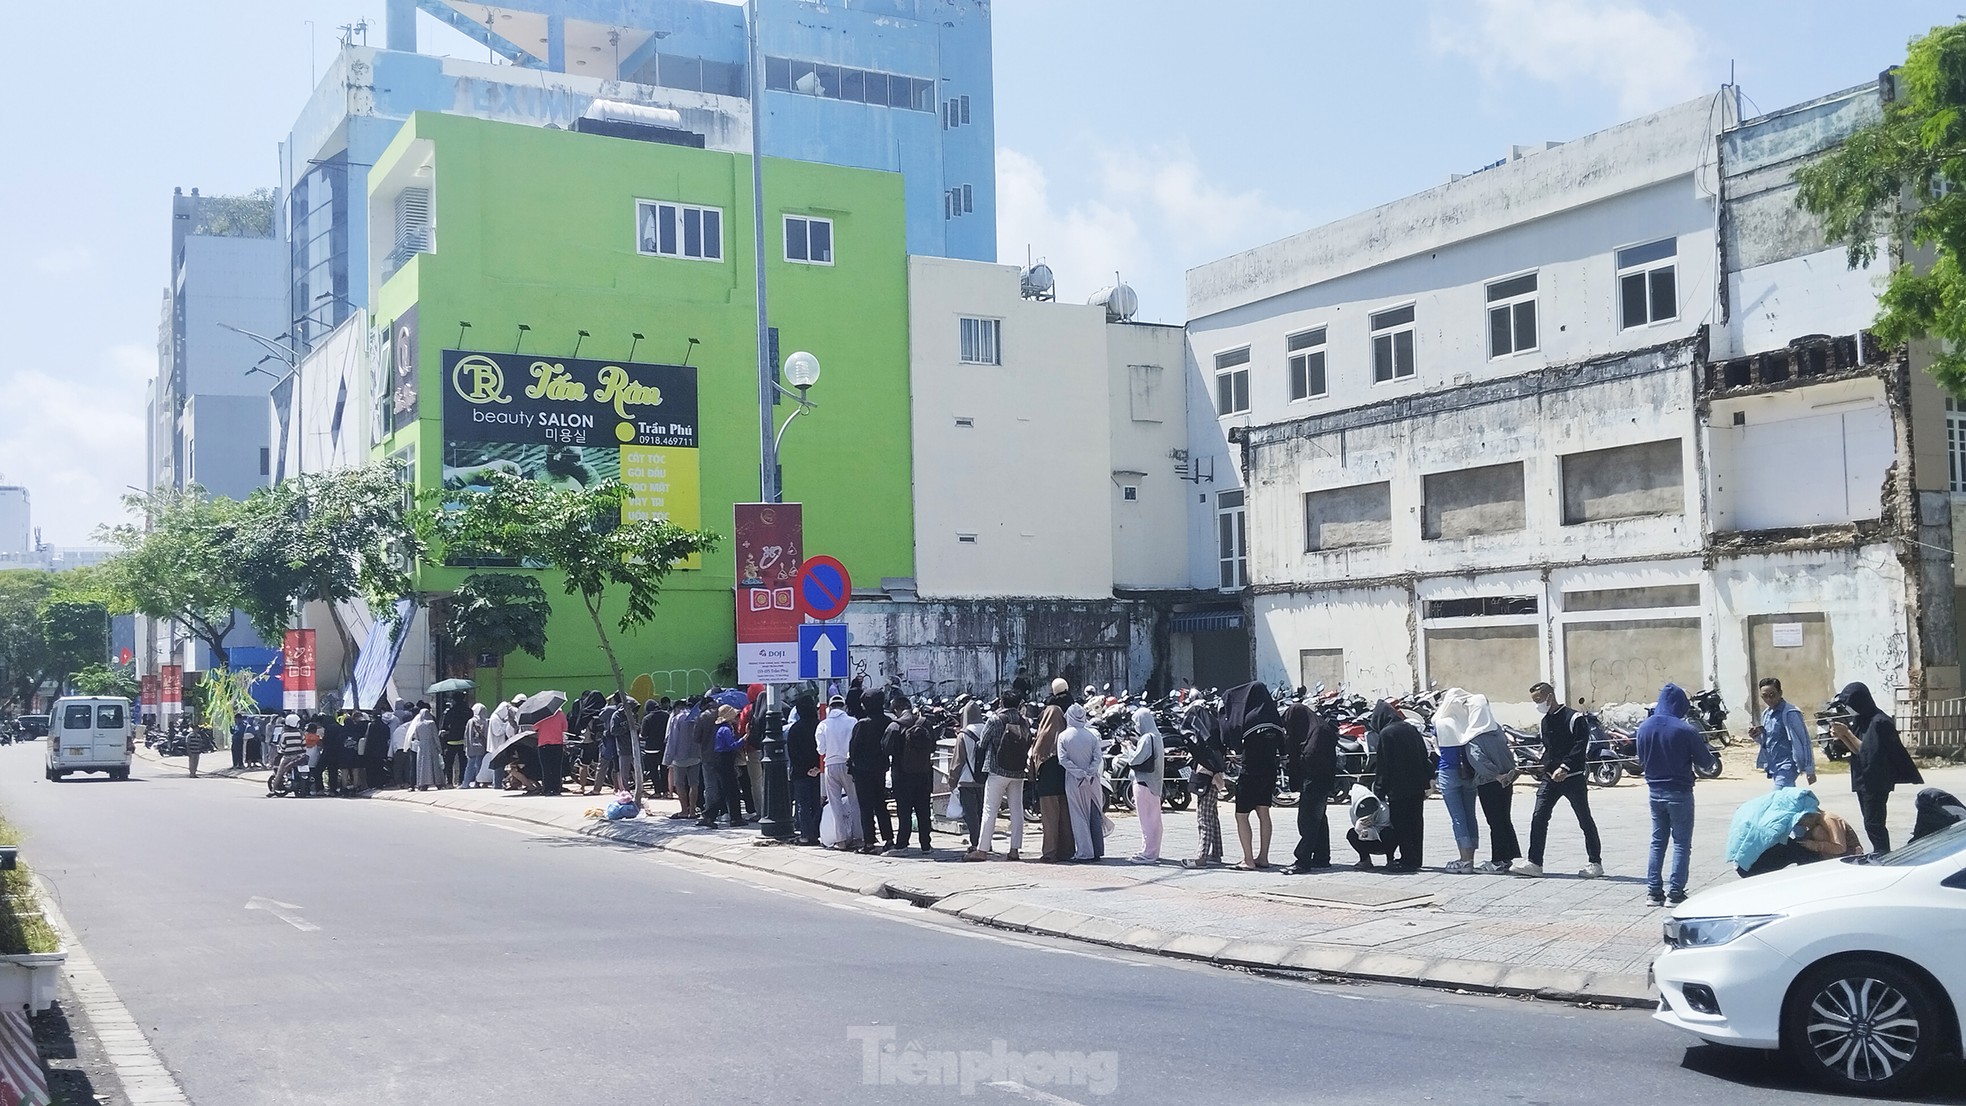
{"x":1896,"y":184}
{"x":182,"y":566}
{"x":579,"y":532}
{"x":499,"y":612}
{"x":46,"y":632}
{"x":106,"y":679}
{"x":326,"y":537}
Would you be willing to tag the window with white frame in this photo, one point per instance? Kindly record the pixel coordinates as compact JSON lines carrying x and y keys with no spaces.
{"x":666,"y":229}
{"x":982,"y":341}
{"x":1231,"y":540}
{"x":1305,"y":356}
{"x":1232,"y":382}
{"x":1512,"y":316}
{"x":1648,"y":283}
{"x":1392,"y":344}
{"x":1956,"y":443}
{"x":808,"y":240}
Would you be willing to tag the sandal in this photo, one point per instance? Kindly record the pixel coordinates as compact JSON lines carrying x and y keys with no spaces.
{"x":1196,"y":865}
{"x":1247,"y":867}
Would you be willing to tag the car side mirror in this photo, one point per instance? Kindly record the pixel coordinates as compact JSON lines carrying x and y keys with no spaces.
{"x":1956,"y":880}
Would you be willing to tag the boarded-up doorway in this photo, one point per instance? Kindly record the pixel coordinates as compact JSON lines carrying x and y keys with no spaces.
{"x":1628,"y":662}
{"x":1795,"y":649}
{"x":1321,"y":666}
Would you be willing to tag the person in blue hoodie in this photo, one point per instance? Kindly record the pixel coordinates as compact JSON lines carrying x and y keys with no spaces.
{"x":1668,"y":749}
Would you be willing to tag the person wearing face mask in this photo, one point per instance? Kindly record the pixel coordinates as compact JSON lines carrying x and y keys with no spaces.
{"x":1566,"y":741}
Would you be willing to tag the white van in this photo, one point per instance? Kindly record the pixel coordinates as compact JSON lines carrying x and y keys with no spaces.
{"x":90,"y":735}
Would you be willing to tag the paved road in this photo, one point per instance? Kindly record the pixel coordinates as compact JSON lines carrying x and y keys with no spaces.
{"x":428,"y":958}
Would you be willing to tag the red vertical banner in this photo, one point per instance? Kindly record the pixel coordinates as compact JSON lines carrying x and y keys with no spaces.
{"x":148,"y":696}
{"x":297,"y":670}
{"x":769,"y":548}
{"x":170,"y":690}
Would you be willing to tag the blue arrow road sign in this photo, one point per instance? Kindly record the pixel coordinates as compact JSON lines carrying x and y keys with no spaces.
{"x":822,"y":651}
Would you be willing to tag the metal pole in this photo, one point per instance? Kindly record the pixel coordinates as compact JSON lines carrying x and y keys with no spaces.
{"x":777,"y":799}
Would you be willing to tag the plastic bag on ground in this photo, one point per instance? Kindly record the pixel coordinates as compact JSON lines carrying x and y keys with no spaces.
{"x":955,"y":811}
{"x":829,"y":827}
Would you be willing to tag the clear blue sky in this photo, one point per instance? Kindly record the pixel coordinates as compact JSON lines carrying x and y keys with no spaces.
{"x":1144,"y":136}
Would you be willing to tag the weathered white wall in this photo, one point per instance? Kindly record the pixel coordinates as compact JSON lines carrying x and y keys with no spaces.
{"x":1533,"y":428}
{"x":1861,"y":592}
{"x":1807,"y":457}
{"x":1030,"y":475}
{"x":1147,"y":398}
{"x":1370,"y":624}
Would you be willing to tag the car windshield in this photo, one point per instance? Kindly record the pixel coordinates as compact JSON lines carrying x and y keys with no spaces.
{"x":1946,"y":843}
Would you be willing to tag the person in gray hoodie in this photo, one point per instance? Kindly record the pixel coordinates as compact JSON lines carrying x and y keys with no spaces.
{"x":683,"y":756}
{"x":1494,"y":772}
{"x":1668,"y":750}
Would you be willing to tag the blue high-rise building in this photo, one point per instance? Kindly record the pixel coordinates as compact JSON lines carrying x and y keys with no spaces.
{"x":900,"y":85}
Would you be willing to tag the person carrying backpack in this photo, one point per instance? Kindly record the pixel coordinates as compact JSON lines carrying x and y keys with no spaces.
{"x":969,"y":770}
{"x":1006,"y":762}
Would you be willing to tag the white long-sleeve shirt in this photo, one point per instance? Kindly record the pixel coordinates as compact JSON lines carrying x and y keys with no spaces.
{"x":835,"y":735}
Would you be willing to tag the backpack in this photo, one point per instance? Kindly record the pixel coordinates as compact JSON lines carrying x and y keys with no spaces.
{"x":1014,"y":747}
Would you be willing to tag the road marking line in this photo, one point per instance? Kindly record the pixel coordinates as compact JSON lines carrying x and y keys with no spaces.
{"x":285,"y":911}
{"x":133,"y":1060}
{"x":1032,"y":1093}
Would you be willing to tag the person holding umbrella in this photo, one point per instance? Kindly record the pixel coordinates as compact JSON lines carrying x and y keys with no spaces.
{"x":542,"y":712}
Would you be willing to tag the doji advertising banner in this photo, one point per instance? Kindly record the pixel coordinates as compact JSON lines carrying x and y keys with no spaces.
{"x":769,"y":549}
{"x":148,"y":694}
{"x":576,"y":423}
{"x":297,"y":670}
{"x":170,"y":684}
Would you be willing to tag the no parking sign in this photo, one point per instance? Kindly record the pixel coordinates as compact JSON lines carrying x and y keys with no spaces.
{"x":823,"y":587}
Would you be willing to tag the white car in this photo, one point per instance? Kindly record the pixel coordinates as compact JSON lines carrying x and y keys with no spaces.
{"x":1856,"y":967}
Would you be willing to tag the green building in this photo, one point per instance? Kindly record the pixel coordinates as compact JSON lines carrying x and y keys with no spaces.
{"x":515,"y":267}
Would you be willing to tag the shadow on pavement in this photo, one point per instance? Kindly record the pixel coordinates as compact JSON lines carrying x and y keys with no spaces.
{"x":1751,"y":1067}
{"x":70,"y":1082}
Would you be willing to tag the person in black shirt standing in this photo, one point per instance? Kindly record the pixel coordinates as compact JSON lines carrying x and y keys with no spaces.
{"x":1566,"y":742}
{"x":1878,"y":760}
{"x":1312,"y":742}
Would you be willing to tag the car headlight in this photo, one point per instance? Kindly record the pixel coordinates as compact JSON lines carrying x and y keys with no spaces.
{"x":1694,"y":933}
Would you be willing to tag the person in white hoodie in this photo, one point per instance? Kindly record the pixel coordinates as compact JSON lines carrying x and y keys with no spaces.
{"x":1455,"y":777}
{"x":1494,"y":773}
{"x":1147,"y":758}
{"x":834,"y":739}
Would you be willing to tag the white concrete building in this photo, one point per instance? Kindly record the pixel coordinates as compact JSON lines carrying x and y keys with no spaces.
{"x":1477,"y":436}
{"x":16,"y":520}
{"x":1049,"y":520}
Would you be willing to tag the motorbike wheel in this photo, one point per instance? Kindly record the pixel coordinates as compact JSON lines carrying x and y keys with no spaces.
{"x":1119,"y":798}
{"x":1707,"y":774}
{"x":1176,"y":798}
{"x":1606,"y":773}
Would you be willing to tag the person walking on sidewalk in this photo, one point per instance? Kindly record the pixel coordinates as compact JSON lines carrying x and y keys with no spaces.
{"x":1786,"y":751}
{"x":1566,"y":740}
{"x":969,"y":770}
{"x":1312,"y":743}
{"x":1054,"y":789}
{"x":1007,"y":756}
{"x":1494,"y":767}
{"x":914,"y":776}
{"x":1078,"y":754}
{"x":835,"y":739}
{"x":802,"y":766}
{"x":869,"y":759}
{"x":1148,"y":760}
{"x":1404,"y":771}
{"x":1456,"y":778}
{"x":1878,"y":760}
{"x":1669,"y":748}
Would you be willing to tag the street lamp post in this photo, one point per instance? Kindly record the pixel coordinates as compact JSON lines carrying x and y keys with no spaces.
{"x":802,"y":372}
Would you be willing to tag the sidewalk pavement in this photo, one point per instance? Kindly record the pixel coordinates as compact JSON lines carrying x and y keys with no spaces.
{"x":1561,"y":936}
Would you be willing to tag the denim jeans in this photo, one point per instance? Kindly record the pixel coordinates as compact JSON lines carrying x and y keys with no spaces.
{"x":1783,"y":777}
{"x":1459,"y":796}
{"x":1672,"y":815}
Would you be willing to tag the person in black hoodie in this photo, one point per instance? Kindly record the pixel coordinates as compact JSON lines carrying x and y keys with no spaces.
{"x":1878,"y":760}
{"x":1250,"y":723}
{"x":867,"y":761}
{"x":455,"y":719}
{"x":912,"y":741}
{"x":1404,"y":773}
{"x":802,"y":766}
{"x":1312,"y":742}
{"x":375,"y":751}
{"x":334,"y":742}
{"x":1566,"y":741}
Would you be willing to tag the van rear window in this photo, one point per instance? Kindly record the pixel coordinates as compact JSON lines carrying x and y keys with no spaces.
{"x":77,"y":717}
{"x":109,"y":717}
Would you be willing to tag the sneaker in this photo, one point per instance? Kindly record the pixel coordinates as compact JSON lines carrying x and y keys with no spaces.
{"x":1143,"y":859}
{"x":1365,"y":866}
{"x":1656,"y":898}
{"x":976,"y":854}
{"x":1676,"y":897}
{"x":1525,"y":868}
{"x":1458,"y":868}
{"x":1490,"y":868}
{"x":1591,"y":871}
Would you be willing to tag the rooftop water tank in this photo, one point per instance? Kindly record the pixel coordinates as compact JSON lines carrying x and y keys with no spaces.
{"x":1035,"y":281}
{"x":1119,"y":300}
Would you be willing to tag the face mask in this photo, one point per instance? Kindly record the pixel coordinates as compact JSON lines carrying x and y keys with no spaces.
{"x":1546,"y":706}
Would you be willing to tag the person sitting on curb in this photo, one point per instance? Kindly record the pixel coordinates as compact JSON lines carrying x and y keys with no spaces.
{"x":1371,"y":825}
